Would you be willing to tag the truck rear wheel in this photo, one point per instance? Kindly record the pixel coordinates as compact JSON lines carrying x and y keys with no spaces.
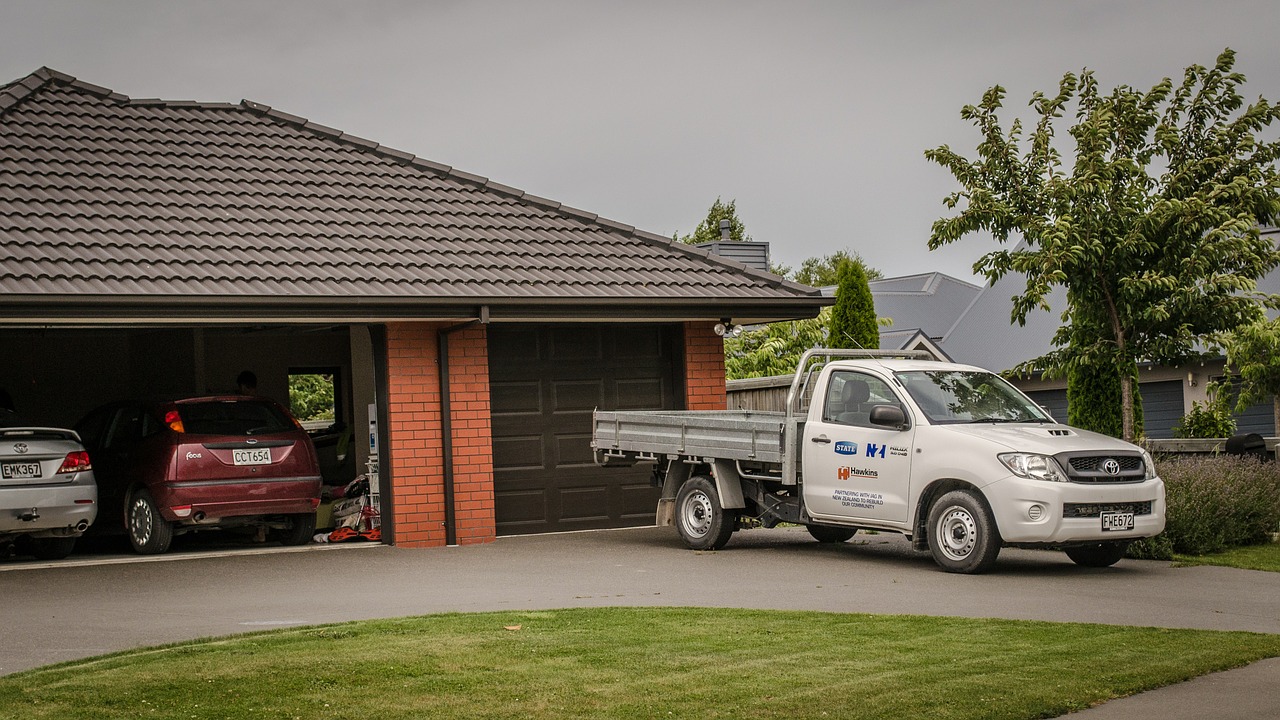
{"x":702,"y":523}
{"x":828,"y":534}
{"x":1098,"y":555}
{"x":963,"y":537}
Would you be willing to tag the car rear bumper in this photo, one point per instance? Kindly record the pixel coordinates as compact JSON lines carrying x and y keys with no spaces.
{"x":63,"y":511}
{"x":1016,"y":500}
{"x":207,"y":501}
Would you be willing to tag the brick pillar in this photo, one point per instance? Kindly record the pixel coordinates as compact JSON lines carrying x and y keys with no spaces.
{"x":472,"y":436}
{"x":703,"y":367}
{"x":414,"y":414}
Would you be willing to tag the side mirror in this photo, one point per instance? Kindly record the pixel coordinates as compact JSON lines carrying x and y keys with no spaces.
{"x":890,"y":416}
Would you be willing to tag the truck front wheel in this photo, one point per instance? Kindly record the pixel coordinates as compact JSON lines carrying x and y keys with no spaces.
{"x":962,"y":535}
{"x":702,"y":523}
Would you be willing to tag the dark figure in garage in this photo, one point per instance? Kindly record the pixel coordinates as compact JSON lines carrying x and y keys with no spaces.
{"x":247,"y":383}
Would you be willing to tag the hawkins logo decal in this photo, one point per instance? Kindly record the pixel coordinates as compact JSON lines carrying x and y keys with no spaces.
{"x":846,"y":448}
{"x":844,"y":473}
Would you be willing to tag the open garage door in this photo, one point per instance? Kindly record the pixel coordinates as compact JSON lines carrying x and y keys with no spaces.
{"x":56,"y":376}
{"x":545,"y":381}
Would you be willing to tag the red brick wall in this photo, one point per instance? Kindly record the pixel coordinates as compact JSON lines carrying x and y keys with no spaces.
{"x":704,"y":367}
{"x":414,"y":414}
{"x":472,"y":436}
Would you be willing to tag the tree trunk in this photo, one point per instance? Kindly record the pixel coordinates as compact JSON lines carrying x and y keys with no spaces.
{"x":1126,"y":406}
{"x":1275,"y":411}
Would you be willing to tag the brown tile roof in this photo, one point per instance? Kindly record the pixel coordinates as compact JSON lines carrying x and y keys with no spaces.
{"x":111,"y":206}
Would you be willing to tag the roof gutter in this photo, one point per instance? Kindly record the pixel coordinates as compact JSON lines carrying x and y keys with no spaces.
{"x":446,"y":423}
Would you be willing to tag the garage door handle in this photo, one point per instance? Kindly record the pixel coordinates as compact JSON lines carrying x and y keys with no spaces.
{"x":821,"y":439}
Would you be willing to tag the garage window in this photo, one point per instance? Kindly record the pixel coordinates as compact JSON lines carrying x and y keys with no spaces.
{"x":314,"y":396}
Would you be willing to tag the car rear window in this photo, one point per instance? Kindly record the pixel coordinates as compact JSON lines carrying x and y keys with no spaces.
{"x":234,"y":417}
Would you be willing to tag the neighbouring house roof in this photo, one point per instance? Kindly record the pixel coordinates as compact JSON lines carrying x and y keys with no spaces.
{"x":928,"y":302}
{"x":112,"y":207}
{"x":985,"y":335}
{"x":922,"y":307}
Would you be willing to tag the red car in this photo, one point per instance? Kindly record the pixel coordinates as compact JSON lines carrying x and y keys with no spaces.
{"x":166,"y":468}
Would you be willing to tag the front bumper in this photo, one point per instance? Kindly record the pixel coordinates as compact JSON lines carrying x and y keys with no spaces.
{"x":1013,"y":499}
{"x":62,"y":510}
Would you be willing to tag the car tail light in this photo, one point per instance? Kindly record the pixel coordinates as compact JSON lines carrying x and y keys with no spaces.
{"x":181,"y":510}
{"x":75,"y":462}
{"x":174,"y":421}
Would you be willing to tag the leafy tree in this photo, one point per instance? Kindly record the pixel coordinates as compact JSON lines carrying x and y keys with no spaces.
{"x":1209,"y":419}
{"x":1093,"y":400}
{"x":822,"y":271}
{"x":853,"y":319}
{"x":1154,"y":228}
{"x":311,"y":397}
{"x":709,"y":229}
{"x":774,"y":349}
{"x":1253,"y":352}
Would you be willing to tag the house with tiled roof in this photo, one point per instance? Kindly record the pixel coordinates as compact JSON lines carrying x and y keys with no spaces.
{"x":154,"y":247}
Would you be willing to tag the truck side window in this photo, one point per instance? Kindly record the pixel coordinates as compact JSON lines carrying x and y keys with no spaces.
{"x":851,"y":395}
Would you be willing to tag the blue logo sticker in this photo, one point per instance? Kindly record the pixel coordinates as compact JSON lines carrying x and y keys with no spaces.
{"x":846,"y":448}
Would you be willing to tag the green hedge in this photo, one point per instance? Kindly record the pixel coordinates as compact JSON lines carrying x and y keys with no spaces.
{"x":1214,"y":502}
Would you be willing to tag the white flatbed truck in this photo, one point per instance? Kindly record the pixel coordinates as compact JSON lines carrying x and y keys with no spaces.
{"x":952,"y":456}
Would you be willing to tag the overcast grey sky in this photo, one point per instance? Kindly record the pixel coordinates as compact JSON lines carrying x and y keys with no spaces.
{"x":813,"y":115}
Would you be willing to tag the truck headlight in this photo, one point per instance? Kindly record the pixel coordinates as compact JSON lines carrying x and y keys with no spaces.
{"x":1149,"y":464}
{"x":1036,"y":467}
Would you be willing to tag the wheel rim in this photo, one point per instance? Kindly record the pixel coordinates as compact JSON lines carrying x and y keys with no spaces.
{"x":141,"y":521}
{"x":696,"y":514}
{"x":957,"y":533}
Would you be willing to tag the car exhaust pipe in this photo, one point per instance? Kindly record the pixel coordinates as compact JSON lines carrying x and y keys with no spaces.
{"x":198,"y":516}
{"x":82,"y":526}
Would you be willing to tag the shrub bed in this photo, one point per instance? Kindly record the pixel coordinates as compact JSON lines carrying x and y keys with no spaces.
{"x":1214,"y":502}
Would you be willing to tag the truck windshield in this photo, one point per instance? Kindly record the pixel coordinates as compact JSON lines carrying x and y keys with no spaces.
{"x":955,"y":396}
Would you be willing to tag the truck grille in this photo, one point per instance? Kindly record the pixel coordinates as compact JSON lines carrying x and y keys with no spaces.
{"x":1092,"y":510}
{"x":1103,"y":469}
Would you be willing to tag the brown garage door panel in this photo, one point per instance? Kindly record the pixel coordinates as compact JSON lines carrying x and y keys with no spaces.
{"x":576,"y":395}
{"x":518,"y":453}
{"x":546,"y":381}
{"x":574,"y":451}
{"x":523,"y":507}
{"x":515,"y":398}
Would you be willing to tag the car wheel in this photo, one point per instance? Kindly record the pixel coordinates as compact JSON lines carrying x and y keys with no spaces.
{"x":963,"y":538}
{"x":1097,"y":555}
{"x":301,"y":529}
{"x":702,"y":523}
{"x":149,"y":533}
{"x":52,"y":548}
{"x":826,"y":534}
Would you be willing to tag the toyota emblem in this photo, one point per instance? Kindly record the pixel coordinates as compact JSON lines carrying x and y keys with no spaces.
{"x":20,"y":448}
{"x":1111,"y":467}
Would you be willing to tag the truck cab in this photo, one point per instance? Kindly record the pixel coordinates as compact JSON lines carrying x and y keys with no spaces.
{"x":963,"y":462}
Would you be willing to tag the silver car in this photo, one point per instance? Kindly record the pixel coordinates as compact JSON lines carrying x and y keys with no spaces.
{"x":48,"y":496}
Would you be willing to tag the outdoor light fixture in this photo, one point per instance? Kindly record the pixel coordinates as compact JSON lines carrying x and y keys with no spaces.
{"x":725,"y":328}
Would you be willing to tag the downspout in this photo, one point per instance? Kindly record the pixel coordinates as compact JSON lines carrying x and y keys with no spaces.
{"x":446,"y":423}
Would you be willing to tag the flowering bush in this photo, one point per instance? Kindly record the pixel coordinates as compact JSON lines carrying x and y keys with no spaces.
{"x":1214,"y":502}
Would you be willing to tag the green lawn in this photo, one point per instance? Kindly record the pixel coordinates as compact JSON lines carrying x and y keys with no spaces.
{"x":1251,"y":557}
{"x":635,"y":663}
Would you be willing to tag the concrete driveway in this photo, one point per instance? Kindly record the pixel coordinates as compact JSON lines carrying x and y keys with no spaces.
{"x":73,"y":609}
